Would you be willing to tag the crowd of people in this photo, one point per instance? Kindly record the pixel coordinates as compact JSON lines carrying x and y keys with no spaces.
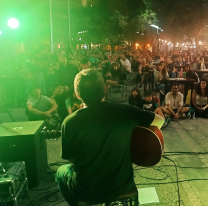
{"x":44,"y":82}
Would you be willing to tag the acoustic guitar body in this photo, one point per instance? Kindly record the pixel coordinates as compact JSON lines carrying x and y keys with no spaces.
{"x":146,"y":146}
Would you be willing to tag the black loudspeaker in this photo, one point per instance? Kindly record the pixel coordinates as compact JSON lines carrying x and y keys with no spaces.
{"x":21,"y":141}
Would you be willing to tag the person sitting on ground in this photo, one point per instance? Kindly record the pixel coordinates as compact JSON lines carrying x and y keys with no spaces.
{"x":143,"y":72}
{"x":60,"y":95}
{"x":160,"y":73}
{"x":156,"y":100}
{"x":199,"y":99}
{"x":149,"y":105}
{"x":73,"y":103}
{"x":41,"y":107}
{"x":135,"y":98}
{"x":174,"y":103}
{"x":84,"y":64}
{"x":91,"y":139}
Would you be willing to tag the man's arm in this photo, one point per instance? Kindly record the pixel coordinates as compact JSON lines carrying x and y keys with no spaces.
{"x":33,"y":110}
{"x":54,"y":107}
{"x":179,"y":109}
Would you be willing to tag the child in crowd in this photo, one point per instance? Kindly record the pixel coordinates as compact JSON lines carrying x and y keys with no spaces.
{"x":148,"y":104}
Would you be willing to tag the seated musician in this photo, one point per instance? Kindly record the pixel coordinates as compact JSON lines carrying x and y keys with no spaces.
{"x":174,"y":103}
{"x":96,"y":141}
{"x":41,"y":107}
{"x":149,"y":105}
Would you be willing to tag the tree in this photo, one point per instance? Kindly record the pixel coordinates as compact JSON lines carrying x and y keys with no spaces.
{"x":181,"y":18}
{"x":116,"y":30}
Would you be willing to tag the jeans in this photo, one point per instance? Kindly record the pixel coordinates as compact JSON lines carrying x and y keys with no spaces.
{"x":63,"y":175}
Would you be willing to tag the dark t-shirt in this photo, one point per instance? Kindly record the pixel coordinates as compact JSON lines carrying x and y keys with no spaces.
{"x":118,"y":75}
{"x":145,"y":69}
{"x":149,"y":106}
{"x":98,"y":140}
{"x":62,"y":110}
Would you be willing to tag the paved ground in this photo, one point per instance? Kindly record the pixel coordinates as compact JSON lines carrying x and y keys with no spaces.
{"x":185,"y":143}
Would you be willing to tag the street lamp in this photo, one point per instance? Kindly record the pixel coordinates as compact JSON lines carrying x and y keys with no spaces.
{"x":157,"y":27}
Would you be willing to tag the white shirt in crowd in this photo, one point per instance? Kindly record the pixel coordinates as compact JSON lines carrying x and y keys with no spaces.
{"x":126,"y":64}
{"x":174,"y":102}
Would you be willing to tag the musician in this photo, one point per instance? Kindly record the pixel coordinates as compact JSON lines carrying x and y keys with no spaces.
{"x":96,"y":141}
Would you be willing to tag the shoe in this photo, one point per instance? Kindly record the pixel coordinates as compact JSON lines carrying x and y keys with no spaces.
{"x":193,"y":115}
{"x":162,"y":91}
{"x":188,"y":115}
{"x":166,"y":123}
{"x":167,"y":116}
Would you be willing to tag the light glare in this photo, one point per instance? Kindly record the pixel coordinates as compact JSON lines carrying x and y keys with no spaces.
{"x":13,"y":23}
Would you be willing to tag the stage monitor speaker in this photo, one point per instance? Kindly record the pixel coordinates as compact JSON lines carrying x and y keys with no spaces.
{"x":21,"y":141}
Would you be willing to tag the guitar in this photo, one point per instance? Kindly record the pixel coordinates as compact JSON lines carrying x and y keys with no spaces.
{"x":147,"y":146}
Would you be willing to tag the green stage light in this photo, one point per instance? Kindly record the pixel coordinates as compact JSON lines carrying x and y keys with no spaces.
{"x":0,"y":32}
{"x":13,"y":23}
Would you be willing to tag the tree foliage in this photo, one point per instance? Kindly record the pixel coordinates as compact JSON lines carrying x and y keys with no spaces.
{"x":179,"y":19}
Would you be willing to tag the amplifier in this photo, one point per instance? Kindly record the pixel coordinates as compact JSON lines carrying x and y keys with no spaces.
{"x":13,"y":184}
{"x":21,"y":141}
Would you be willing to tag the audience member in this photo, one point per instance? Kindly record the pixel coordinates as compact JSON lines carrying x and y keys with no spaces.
{"x":143,"y":73}
{"x":199,"y":99}
{"x":156,"y":100}
{"x":174,"y":103}
{"x":149,"y":105}
{"x":73,"y":103}
{"x":60,"y":95}
{"x":160,"y":73}
{"x":41,"y":107}
{"x":126,"y":65}
{"x":135,"y":98}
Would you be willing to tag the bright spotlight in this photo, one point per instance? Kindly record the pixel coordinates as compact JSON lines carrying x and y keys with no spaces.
{"x":13,"y":23}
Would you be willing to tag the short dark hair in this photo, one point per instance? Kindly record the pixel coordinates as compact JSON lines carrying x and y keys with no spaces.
{"x":90,"y":86}
{"x":174,"y":84}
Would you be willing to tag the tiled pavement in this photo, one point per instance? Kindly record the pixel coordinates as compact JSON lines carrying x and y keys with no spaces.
{"x":187,"y":136}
